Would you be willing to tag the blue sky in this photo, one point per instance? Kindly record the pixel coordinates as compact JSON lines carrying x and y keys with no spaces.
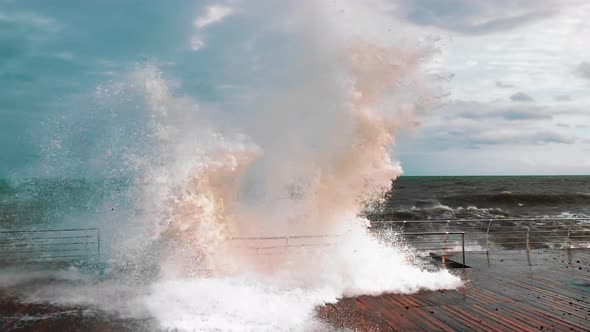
{"x":515,"y":74}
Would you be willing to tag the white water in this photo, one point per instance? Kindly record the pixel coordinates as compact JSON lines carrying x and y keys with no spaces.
{"x":286,"y":298}
{"x":326,"y":135}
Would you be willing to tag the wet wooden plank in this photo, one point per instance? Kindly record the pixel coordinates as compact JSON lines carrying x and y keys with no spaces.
{"x":18,"y":316}
{"x":507,"y":294}
{"x":551,"y":295}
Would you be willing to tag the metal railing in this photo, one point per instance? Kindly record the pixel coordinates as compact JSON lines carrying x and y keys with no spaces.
{"x":270,"y":244}
{"x":49,"y":245}
{"x":442,"y":244}
{"x":514,"y":233}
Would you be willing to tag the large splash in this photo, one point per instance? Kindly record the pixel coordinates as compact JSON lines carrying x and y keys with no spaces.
{"x":304,"y":158}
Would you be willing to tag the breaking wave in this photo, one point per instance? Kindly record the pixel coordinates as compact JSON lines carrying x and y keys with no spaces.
{"x":437,"y":210}
{"x":303,"y":158}
{"x":507,"y":198}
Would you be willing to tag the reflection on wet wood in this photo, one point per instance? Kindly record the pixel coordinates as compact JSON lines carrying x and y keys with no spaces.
{"x":504,"y":294}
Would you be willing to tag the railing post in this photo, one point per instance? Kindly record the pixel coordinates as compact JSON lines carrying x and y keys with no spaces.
{"x":444,"y":255}
{"x":488,"y":236}
{"x":463,"y":247}
{"x":528,"y":242}
{"x":286,"y":244}
{"x":98,"y":244}
{"x":569,"y":239}
{"x":87,"y":251}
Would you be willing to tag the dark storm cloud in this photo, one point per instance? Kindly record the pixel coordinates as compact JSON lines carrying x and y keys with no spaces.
{"x":508,"y":114}
{"x":503,"y":85}
{"x":474,"y":137}
{"x":563,"y":98}
{"x":479,"y":111}
{"x":477,"y":16}
{"x":534,"y":114}
{"x":576,"y":126}
{"x":530,"y":138}
{"x":475,"y":125}
{"x":521,"y":97}
{"x":502,"y":114}
{"x":583,"y":70}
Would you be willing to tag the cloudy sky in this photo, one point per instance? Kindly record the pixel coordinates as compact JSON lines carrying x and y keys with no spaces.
{"x":515,"y":74}
{"x":518,"y":97}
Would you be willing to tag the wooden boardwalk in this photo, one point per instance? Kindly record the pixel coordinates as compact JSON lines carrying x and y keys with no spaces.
{"x":16,"y":316}
{"x":503,"y":293}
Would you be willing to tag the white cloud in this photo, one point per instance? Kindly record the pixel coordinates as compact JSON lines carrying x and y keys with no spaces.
{"x":197,"y":43}
{"x":504,"y":85}
{"x":562,"y":98}
{"x":66,"y":56}
{"x":214,"y":14}
{"x":583,"y":70}
{"x":476,"y":16}
{"x":469,"y":125}
{"x":521,"y":97}
{"x":30,"y":19}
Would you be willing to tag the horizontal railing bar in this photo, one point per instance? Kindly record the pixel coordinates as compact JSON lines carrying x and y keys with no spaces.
{"x":486,"y":220}
{"x":428,"y":240}
{"x":503,"y":241}
{"x":455,"y":240}
{"x":312,"y":236}
{"x":502,"y":233}
{"x":565,"y":227}
{"x":547,"y":243}
{"x":506,"y":238}
{"x":47,"y":251}
{"x":439,"y":242}
{"x":508,"y":229}
{"x":449,"y":241}
{"x":47,"y":257}
{"x":41,"y":259}
{"x":490,"y":219}
{"x":433,"y":233}
{"x":48,"y":245}
{"x":51,"y":230}
{"x":289,"y":246}
{"x":547,"y":236}
{"x":48,"y":238}
{"x":523,"y":243}
{"x":283,"y":237}
{"x":26,"y":245}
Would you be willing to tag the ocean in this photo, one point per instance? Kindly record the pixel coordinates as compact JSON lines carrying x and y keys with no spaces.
{"x":189,"y":163}
{"x":47,"y":203}
{"x":58,"y":203}
{"x":472,"y":197}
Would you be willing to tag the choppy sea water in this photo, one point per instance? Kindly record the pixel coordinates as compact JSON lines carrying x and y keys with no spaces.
{"x":472,"y":197}
{"x":38,"y":202}
{"x":47,"y":203}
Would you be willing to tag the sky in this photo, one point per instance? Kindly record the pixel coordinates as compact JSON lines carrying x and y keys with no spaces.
{"x":515,"y":74}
